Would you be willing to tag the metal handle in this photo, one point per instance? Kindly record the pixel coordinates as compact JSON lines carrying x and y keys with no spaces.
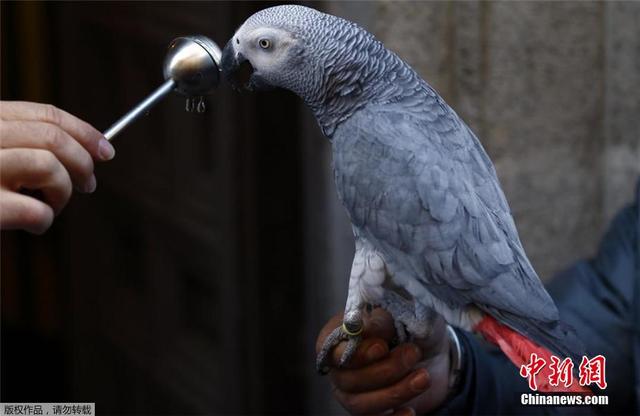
{"x":140,"y":109}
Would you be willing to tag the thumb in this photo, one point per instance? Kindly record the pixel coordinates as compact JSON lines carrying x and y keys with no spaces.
{"x":405,"y":411}
{"x":436,"y":341}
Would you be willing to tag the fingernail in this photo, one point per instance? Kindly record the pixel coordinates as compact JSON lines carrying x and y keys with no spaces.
{"x":407,"y":411}
{"x":420,"y":381}
{"x":106,"y":150}
{"x":411,"y":356}
{"x":376,"y":351}
{"x":91,"y":185}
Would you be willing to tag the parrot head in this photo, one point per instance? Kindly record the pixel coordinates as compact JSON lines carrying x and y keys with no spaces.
{"x":333,"y":64}
{"x":288,"y":47}
{"x":268,"y":50}
{"x":259,"y":57}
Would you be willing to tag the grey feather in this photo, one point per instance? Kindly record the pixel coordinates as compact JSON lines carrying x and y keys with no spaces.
{"x":415,"y":180}
{"x":483,"y":255}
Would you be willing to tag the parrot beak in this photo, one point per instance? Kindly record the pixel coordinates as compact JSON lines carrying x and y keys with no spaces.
{"x":236,"y":68}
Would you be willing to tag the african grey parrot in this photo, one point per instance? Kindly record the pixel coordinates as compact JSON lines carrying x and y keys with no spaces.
{"x":433,"y":231}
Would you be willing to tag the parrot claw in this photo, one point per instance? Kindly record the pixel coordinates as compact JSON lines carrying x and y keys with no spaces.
{"x":401,"y":332}
{"x":337,"y":336}
{"x":350,"y":349}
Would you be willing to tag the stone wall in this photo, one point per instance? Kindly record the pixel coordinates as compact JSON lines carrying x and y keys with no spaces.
{"x":553,"y":91}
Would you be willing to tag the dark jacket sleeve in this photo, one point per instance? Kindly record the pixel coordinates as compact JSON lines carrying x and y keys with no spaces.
{"x":491,"y":384}
{"x":597,"y":298}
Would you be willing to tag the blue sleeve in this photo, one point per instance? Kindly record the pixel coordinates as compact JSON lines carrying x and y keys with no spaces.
{"x":599,"y":299}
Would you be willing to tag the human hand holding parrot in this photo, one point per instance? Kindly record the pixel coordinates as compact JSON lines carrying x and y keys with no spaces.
{"x":410,"y":378}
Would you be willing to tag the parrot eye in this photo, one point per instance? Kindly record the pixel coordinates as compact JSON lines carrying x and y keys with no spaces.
{"x":264,"y":43}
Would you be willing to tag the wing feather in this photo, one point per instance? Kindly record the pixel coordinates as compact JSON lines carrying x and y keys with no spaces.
{"x":430,"y":201}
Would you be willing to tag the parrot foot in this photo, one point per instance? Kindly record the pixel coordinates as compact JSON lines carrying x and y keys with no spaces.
{"x":410,"y":318}
{"x":345,"y":332}
{"x":401,"y":331}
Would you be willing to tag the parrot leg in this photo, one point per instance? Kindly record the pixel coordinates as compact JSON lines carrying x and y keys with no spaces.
{"x":351,"y":328}
{"x":365,"y":284}
{"x":349,"y":331}
{"x":408,"y":316}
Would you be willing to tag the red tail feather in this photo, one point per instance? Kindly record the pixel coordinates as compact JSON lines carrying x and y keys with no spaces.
{"x":518,"y":349}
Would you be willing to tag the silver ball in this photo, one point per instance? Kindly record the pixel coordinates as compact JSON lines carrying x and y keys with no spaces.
{"x":193,"y":63}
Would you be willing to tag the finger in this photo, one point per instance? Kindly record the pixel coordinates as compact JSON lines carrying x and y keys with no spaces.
{"x":36,"y":169}
{"x":90,"y":138}
{"x":390,"y":397}
{"x":22,"y":212}
{"x":379,"y":374}
{"x":33,"y":134}
{"x":379,"y":323}
{"x":369,"y":350}
{"x":405,"y":411}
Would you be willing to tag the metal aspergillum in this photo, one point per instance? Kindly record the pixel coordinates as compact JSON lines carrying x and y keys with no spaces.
{"x":191,"y":68}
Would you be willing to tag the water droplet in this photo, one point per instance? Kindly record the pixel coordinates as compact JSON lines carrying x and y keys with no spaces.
{"x":202,"y":107}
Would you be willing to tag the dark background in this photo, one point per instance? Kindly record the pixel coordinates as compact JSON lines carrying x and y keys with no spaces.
{"x":195,"y":279}
{"x":176,"y":287}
